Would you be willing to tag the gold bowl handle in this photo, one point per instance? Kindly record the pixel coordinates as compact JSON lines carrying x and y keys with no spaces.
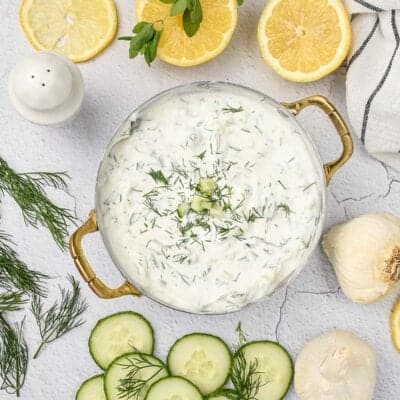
{"x":337,"y":120}
{"x":84,"y":268}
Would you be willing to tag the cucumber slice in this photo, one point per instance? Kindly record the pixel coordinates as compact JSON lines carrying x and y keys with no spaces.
{"x":173,"y":388}
{"x":141,"y":370}
{"x":119,"y":334}
{"x":92,"y":389}
{"x":274,"y":365}
{"x":224,"y":394}
{"x":203,"y":359}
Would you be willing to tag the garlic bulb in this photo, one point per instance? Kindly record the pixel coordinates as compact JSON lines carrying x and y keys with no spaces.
{"x":336,"y":366}
{"x":365,"y":253}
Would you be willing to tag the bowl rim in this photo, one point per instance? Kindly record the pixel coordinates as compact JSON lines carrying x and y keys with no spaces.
{"x":313,"y":153}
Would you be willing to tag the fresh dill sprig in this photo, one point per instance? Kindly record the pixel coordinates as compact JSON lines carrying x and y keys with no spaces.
{"x":245,"y":377}
{"x":14,"y":274}
{"x":28,"y":191}
{"x":11,"y":301}
{"x":232,"y":110}
{"x":241,"y":333}
{"x":13,"y":357}
{"x":61,"y":317}
{"x":158,"y":177}
{"x":131,"y":386}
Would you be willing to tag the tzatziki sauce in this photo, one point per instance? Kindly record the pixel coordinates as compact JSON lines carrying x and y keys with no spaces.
{"x":210,"y":197}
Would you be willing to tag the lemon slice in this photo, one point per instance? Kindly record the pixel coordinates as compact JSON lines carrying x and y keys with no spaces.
{"x":78,"y":29}
{"x":175,"y":47}
{"x":304,"y":40}
{"x":395,"y":324}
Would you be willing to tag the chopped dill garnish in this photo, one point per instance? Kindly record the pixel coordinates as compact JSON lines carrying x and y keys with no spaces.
{"x":180,"y":258}
{"x":282,"y":184}
{"x":150,"y":205}
{"x":254,"y":214}
{"x":158,"y":177}
{"x":285,"y":208}
{"x":184,"y":229}
{"x":179,"y":170}
{"x":308,"y":186}
{"x":234,"y":148}
{"x":201,"y":155}
{"x":233,"y":110}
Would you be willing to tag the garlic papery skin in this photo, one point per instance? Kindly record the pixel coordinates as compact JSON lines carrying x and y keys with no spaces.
{"x":336,"y":366}
{"x":365,"y":253}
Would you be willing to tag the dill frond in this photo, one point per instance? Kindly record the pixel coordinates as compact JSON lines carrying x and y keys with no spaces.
{"x":242,"y":334}
{"x":28,"y":191}
{"x":14,"y":273}
{"x":132,"y":385}
{"x":61,"y":317}
{"x":11,"y":301}
{"x":13,"y":357}
{"x":245,"y":377}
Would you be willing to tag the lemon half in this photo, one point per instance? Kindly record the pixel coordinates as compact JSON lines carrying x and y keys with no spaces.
{"x":175,"y":47}
{"x":304,"y":40}
{"x":78,"y":29}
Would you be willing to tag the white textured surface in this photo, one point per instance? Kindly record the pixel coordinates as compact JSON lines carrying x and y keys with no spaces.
{"x":114,"y":86}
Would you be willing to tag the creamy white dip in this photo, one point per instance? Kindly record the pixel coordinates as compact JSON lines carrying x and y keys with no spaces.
{"x":209,"y":199}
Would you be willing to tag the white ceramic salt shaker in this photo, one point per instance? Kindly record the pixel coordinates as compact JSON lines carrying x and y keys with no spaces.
{"x":47,"y":89}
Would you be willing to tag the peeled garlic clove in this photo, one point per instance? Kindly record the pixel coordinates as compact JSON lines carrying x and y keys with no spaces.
{"x":336,"y":365}
{"x":365,"y":253}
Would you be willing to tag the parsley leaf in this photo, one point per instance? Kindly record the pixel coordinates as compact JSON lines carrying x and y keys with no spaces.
{"x":146,"y":37}
{"x":145,"y":41}
{"x":192,"y":17}
{"x":179,"y":7}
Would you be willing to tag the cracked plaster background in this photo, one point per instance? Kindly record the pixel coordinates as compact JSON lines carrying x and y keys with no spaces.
{"x":311,"y":305}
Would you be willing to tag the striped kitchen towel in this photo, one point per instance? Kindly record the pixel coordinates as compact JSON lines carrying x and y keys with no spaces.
{"x":373,"y":77}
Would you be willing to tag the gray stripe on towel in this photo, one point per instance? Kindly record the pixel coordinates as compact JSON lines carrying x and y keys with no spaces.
{"x":368,"y":5}
{"x":383,"y":79}
{"x":359,"y":51}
